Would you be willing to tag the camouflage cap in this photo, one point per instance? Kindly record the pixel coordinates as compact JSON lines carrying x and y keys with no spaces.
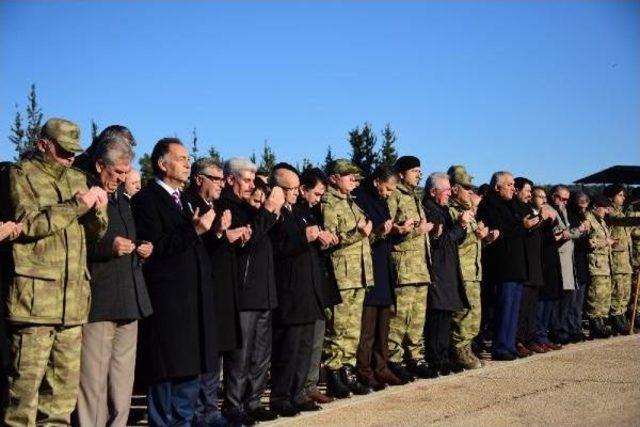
{"x":458,"y":175}
{"x":65,"y":133}
{"x":344,"y":167}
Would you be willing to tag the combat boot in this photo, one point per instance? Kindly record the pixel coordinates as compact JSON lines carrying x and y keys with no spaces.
{"x":598,"y":328}
{"x":349,"y":378}
{"x":335,"y":387}
{"x":612,"y":322}
{"x":622,"y":324}
{"x":465,"y":358}
{"x":420,"y":369}
{"x":401,"y":371}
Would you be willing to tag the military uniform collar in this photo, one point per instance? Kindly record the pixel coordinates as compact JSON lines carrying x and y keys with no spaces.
{"x":456,"y":204}
{"x":50,"y":167}
{"x":336,"y":193}
{"x":403,"y":188}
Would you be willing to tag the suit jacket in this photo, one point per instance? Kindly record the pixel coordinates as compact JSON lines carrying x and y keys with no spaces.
{"x":256,"y":277}
{"x":533,"y":249}
{"x":298,"y":277}
{"x":224,"y":267}
{"x":179,"y":339}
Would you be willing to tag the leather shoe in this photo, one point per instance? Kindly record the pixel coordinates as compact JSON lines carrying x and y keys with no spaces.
{"x":335,"y":387}
{"x":387,"y":377}
{"x":552,"y":346}
{"x":401,"y":371}
{"x":523,"y":351}
{"x":318,"y":397}
{"x":503,"y":356}
{"x":308,"y":406}
{"x":537,"y":348}
{"x":262,"y":414}
{"x":350,"y":379}
{"x":372,"y":383}
{"x":285,"y":409}
{"x":236,"y":417}
{"x":420,"y":369}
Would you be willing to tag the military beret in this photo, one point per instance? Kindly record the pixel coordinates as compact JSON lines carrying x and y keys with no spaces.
{"x":64,"y":133}
{"x":405,"y":163}
{"x":344,"y":167}
{"x":600,"y":200}
{"x":458,"y":175}
{"x":611,"y":190}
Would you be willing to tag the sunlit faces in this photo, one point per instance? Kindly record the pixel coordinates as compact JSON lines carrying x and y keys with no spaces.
{"x":524,"y":194}
{"x":243,"y":184}
{"x":561,"y":197}
{"x":539,"y":198}
{"x":290,"y":184}
{"x":111,"y":176}
{"x":313,"y":195}
{"x":411,"y":177}
{"x":506,"y":188}
{"x":257,"y":198}
{"x":441,"y":191}
{"x":344,"y":183}
{"x":385,"y":188}
{"x":175,"y":164}
{"x":210,"y":183}
{"x":54,"y":152}
{"x":618,"y":199}
{"x":133,"y":182}
{"x":462,"y":194}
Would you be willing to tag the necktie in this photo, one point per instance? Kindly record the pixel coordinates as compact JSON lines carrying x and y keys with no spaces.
{"x":176,"y":199}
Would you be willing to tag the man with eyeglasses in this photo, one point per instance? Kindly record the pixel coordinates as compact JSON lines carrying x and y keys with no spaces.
{"x":49,"y":295}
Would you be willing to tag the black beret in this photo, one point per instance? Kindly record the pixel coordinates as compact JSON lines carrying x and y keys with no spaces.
{"x":611,"y":190}
{"x":600,"y":200}
{"x":405,"y":163}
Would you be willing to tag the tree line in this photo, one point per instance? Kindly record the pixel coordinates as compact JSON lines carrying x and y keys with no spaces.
{"x":363,"y":141}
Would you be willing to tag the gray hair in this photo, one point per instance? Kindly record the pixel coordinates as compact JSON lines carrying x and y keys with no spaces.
{"x":498,"y":178}
{"x":558,"y":188}
{"x":236,"y":165}
{"x":434,"y":180}
{"x":114,"y":149}
{"x":203,"y":163}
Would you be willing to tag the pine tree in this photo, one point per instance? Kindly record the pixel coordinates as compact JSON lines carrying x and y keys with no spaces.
{"x":194,"y":145}
{"x":34,"y":119}
{"x":253,"y":158}
{"x":215,"y":155}
{"x":306,"y":164}
{"x":328,"y":160}
{"x":146,"y":171}
{"x":388,"y":154}
{"x":363,"y":144}
{"x":94,"y":131}
{"x":18,"y":134}
{"x":267,"y":159}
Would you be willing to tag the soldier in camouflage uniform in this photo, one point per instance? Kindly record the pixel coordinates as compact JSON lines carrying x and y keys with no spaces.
{"x":353,"y":271}
{"x":409,"y":258}
{"x":634,"y":211}
{"x":598,"y":300}
{"x":466,"y":323}
{"x":621,"y":270}
{"x":49,"y":296}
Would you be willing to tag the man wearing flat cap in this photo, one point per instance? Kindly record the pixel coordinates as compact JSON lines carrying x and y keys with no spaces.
{"x":465,"y":324}
{"x":409,"y":260}
{"x":49,"y":295}
{"x":598,"y":299}
{"x":353,"y":271}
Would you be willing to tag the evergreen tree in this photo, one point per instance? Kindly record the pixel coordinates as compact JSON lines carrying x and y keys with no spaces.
{"x":34,"y":119}
{"x":94,"y":131}
{"x":215,"y":155}
{"x":388,"y":154}
{"x":146,"y":171}
{"x":328,"y":160}
{"x":267,"y":159}
{"x":306,"y":164}
{"x":194,"y":145}
{"x":363,"y":153}
{"x":253,"y":158}
{"x":18,"y":134}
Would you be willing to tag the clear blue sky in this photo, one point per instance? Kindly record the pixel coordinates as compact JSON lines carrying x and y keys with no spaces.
{"x":549,"y":90}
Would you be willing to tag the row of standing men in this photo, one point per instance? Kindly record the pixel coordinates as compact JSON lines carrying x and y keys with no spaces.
{"x":209,"y":269}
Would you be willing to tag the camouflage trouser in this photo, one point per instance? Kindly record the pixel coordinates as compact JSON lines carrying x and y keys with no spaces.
{"x":407,"y":323}
{"x":620,"y":293}
{"x":598,"y":300}
{"x":343,"y":330}
{"x":465,"y":324}
{"x":44,"y":376}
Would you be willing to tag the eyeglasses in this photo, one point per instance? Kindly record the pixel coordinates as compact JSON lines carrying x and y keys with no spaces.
{"x":213,"y":177}
{"x":289,"y":188}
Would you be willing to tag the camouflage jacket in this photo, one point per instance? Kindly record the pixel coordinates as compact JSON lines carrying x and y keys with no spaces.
{"x":351,"y":257}
{"x":620,"y":253}
{"x":600,"y":252}
{"x":635,"y":238}
{"x":410,"y":251}
{"x":470,"y":250}
{"x":51,"y":280}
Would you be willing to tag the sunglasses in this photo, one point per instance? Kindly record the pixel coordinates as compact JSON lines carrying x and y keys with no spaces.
{"x":213,"y":177}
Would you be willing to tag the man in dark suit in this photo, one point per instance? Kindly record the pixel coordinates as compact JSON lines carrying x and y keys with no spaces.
{"x":298,"y":283}
{"x":179,"y":339}
{"x":246,"y":369}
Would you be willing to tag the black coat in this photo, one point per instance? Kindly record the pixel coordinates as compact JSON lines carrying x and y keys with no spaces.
{"x":298,"y":280}
{"x":551,"y":267}
{"x":533,"y":250}
{"x":118,"y":290}
{"x":446,"y":291}
{"x":225,"y":277}
{"x":256,"y":276}
{"x":179,"y":338}
{"x":377,"y":210}
{"x":581,"y":248}
{"x":505,"y":259}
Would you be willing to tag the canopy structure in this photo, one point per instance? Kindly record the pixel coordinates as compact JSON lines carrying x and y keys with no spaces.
{"x":629,"y":175}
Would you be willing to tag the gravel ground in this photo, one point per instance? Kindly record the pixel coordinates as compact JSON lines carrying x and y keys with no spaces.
{"x":590,"y":384}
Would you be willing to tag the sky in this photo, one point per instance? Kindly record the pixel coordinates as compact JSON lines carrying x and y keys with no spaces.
{"x":547,"y":90}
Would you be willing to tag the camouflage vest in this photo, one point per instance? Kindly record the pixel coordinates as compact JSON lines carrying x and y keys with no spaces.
{"x":620,"y":253}
{"x":351,"y":258}
{"x":635,"y":238}
{"x":600,"y":253}
{"x":470,"y":250}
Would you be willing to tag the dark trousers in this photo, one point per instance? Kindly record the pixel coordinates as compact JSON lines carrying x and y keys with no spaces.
{"x":372,"y":354}
{"x":487,"y":303}
{"x":436,"y":335}
{"x":290,"y":363}
{"x":545,"y":319}
{"x":505,"y":317}
{"x":527,"y":321}
{"x":173,"y":403}
{"x":575,"y":316}
{"x":246,"y":369}
{"x":562,"y":327}
{"x":207,"y":404}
